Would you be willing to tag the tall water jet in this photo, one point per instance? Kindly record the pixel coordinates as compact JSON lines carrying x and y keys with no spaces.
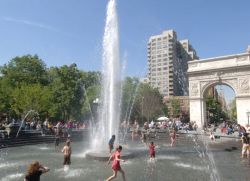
{"x":109,"y":108}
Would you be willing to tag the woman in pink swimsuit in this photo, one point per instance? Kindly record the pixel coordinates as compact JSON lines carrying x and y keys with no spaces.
{"x":116,"y":164}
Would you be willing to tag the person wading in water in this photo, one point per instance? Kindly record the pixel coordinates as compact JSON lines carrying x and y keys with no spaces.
{"x":116,"y":164}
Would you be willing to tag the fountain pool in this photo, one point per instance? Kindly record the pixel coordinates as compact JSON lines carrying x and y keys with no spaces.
{"x":172,"y":163}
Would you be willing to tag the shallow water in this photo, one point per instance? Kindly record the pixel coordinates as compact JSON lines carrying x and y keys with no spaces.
{"x":171,"y":163}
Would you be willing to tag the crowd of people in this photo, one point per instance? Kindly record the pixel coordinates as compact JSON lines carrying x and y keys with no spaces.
{"x":9,"y":128}
{"x":35,"y":169}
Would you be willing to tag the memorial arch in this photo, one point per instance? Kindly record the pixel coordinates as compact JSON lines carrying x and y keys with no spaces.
{"x":231,"y":70}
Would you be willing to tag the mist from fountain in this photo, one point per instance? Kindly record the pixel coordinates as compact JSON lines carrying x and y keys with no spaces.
{"x":109,"y":107}
{"x":28,"y":113}
{"x":206,"y":155}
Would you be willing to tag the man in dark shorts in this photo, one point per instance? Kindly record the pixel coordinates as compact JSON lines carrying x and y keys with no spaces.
{"x":57,"y":141}
{"x":67,"y":153}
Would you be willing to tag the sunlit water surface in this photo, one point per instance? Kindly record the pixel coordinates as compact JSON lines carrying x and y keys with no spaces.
{"x":177,"y":163}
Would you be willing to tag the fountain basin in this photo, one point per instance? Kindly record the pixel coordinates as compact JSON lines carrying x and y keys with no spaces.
{"x":104,"y":155}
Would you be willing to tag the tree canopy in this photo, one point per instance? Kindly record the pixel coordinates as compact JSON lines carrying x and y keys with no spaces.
{"x":66,"y":92}
{"x":26,"y":83}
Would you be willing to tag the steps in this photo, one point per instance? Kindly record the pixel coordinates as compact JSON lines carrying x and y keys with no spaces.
{"x":36,"y":138}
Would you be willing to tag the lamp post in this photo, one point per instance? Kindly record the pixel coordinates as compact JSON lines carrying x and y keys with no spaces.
{"x":248,"y":114}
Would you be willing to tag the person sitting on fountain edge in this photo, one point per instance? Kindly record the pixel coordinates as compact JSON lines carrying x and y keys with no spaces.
{"x":111,"y":143}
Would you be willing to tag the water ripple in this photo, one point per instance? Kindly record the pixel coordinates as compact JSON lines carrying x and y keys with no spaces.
{"x":12,"y":177}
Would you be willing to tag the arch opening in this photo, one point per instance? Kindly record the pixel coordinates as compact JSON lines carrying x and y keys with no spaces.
{"x":219,"y":105}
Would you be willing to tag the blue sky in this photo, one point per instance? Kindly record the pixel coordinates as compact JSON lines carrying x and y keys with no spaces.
{"x":62,"y":31}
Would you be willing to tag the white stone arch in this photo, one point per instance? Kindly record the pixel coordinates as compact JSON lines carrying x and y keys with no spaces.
{"x":232,"y":70}
{"x":213,"y":83}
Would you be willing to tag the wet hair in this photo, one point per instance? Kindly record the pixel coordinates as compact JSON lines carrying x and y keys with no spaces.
{"x":68,"y":142}
{"x":152,"y":142}
{"x":33,"y":167}
{"x":113,"y":136}
{"x":119,"y":147}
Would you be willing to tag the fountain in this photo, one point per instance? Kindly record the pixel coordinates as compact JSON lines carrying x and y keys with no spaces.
{"x":109,"y":103}
{"x":172,"y":163}
{"x":109,"y":106}
{"x":20,"y":127}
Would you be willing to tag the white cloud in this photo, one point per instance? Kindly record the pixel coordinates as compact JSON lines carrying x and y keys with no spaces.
{"x":34,"y":24}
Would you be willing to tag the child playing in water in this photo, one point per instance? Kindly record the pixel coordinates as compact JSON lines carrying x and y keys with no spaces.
{"x":212,"y":136}
{"x":57,"y":141}
{"x":111,"y":143}
{"x":245,"y":145}
{"x":67,"y":153}
{"x":173,"y":137}
{"x":152,"y":151}
{"x":144,"y":138}
{"x":116,"y":164}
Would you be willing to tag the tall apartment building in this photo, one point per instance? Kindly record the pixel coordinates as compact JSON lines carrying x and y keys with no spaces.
{"x":167,"y":63}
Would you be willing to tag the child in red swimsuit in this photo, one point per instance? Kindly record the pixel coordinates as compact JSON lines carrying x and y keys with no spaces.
{"x":116,"y":164}
{"x":152,"y":151}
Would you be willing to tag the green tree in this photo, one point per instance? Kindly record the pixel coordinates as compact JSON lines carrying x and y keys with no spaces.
{"x":175,"y":106}
{"x":25,"y":70}
{"x":89,"y":110}
{"x":151,"y":102}
{"x":214,"y":110}
{"x":165,"y":110}
{"x":140,"y":101}
{"x":30,"y":97}
{"x":67,"y":91}
{"x":129,"y":93}
{"x":15,"y":76}
{"x":5,"y":96}
{"x":232,"y":110}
